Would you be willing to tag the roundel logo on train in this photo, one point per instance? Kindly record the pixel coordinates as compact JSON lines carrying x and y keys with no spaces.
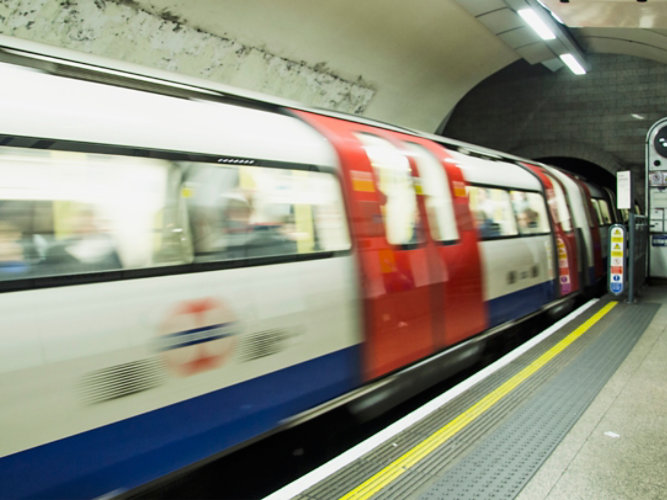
{"x":197,"y":336}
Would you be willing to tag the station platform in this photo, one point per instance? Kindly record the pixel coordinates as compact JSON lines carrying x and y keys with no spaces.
{"x":579,"y":411}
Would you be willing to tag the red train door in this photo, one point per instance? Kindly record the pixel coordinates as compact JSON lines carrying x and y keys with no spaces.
{"x":454,"y":238}
{"x":397,"y":275}
{"x":566,"y":244}
{"x":594,"y":228}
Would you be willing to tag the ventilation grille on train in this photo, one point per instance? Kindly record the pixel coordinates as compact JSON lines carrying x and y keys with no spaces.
{"x":122,"y":380}
{"x":264,"y":343}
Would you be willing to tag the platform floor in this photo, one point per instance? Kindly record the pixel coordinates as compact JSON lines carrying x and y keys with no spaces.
{"x":579,"y":412}
{"x":618,"y":448}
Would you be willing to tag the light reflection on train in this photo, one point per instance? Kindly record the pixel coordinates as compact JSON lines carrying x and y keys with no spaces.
{"x":180,"y":276}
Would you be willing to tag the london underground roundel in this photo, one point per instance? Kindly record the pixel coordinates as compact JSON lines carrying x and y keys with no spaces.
{"x":197,"y":335}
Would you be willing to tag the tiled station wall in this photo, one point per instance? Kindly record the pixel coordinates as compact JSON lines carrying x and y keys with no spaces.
{"x":601,"y":117}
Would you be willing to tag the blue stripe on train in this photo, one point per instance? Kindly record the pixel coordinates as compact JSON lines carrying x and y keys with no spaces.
{"x":139,"y":449}
{"x":517,"y":304}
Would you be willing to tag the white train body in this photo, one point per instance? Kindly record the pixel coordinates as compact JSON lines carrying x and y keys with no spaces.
{"x":183,"y":271}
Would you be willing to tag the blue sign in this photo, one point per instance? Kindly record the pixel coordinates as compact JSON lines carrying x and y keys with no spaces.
{"x":616,"y":287}
{"x":659,"y":240}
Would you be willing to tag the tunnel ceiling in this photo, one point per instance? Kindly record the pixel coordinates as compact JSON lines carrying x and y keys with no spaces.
{"x":617,"y":26}
{"x":433,"y":49}
{"x":407,"y":63}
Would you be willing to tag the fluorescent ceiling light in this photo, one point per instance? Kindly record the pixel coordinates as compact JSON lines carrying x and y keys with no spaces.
{"x":535,"y":22}
{"x":573,"y":64}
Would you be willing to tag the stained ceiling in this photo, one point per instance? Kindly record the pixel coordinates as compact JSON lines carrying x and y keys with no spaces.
{"x":417,"y":58}
{"x":428,"y":47}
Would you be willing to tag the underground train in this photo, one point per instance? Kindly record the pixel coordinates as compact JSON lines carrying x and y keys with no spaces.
{"x":184,"y":270}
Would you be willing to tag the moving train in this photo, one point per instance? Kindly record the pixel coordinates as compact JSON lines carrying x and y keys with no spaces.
{"x":184,"y":269}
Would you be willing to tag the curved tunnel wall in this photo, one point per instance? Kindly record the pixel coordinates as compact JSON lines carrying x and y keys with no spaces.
{"x":382,"y":59}
{"x":601,"y":117}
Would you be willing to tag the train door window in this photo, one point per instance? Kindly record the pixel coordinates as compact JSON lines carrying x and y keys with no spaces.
{"x":493,"y":212}
{"x":561,"y":205}
{"x":598,"y":212}
{"x":239,"y":212}
{"x":591,"y":217}
{"x":395,"y":182}
{"x":530,"y":211}
{"x":438,"y":197}
{"x":605,"y":212}
{"x":591,"y":214}
{"x":73,"y":212}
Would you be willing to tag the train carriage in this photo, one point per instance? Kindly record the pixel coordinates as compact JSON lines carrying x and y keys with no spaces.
{"x":603,"y":205}
{"x":564,"y":237}
{"x":186,"y":277}
{"x":184,"y":270}
{"x":587,"y":233}
{"x":516,"y":237}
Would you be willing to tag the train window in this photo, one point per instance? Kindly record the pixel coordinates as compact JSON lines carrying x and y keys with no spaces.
{"x":605,"y":212}
{"x":561,"y":205}
{"x":252,"y":211}
{"x":395,"y":182}
{"x":493,"y":212}
{"x":598,"y":213}
{"x":67,"y":213}
{"x":591,"y":213}
{"x":530,"y":211}
{"x":71,"y":212}
{"x":438,"y":197}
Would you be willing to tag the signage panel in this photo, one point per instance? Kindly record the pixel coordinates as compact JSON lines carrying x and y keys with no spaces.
{"x":623,"y":196}
{"x":616,"y":271}
{"x":656,"y":197}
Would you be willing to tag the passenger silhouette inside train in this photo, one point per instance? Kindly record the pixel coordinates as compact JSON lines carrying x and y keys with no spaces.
{"x":13,"y":264}
{"x":484,"y":221}
{"x":527,"y":220}
{"x":526,"y":217}
{"x":485,"y":225}
{"x":247,"y":239}
{"x":88,"y":248}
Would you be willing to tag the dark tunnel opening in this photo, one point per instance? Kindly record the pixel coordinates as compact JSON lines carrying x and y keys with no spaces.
{"x":586,"y":169}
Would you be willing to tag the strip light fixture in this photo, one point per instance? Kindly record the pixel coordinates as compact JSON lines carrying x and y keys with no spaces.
{"x":539,"y":26}
{"x":573,"y":64}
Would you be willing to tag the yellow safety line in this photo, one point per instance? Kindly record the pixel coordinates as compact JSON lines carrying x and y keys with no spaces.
{"x":401,"y":465}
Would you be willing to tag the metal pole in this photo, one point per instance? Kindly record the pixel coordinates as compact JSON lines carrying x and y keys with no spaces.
{"x":631,"y":258}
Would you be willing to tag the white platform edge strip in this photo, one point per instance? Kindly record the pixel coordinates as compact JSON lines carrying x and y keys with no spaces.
{"x":315,"y":476}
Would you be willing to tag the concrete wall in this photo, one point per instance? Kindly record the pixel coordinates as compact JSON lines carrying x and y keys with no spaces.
{"x":405,"y":63}
{"x":122,"y":29}
{"x":601,"y":117}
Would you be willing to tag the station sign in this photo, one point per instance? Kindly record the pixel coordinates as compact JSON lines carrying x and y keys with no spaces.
{"x":624,"y":190}
{"x":617,"y":239}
